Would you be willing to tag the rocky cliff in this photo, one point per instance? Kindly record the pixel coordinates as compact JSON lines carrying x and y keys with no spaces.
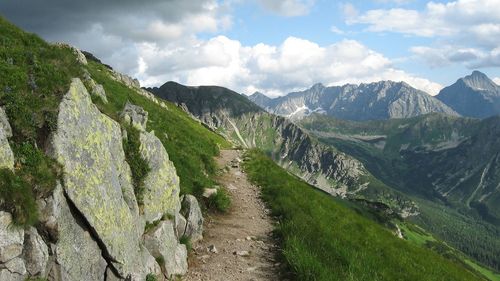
{"x":97,"y":223}
{"x":475,"y":95}
{"x":373,"y":101}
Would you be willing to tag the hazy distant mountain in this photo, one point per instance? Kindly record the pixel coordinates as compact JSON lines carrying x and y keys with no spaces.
{"x":475,"y":95}
{"x":373,"y":101}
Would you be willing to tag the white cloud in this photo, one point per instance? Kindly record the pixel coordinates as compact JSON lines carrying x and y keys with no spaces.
{"x":496,"y":80}
{"x":288,"y":8}
{"x":472,"y":58}
{"x":336,"y":30}
{"x":467,"y":31}
{"x":275,"y":70}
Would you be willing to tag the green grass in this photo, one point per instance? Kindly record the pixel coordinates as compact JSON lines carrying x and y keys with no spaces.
{"x":35,"y":76}
{"x":138,"y":165}
{"x":185,"y":240}
{"x":18,"y":198}
{"x":323,"y":239}
{"x":219,"y":201}
{"x":151,"y":277}
{"x":191,"y":147}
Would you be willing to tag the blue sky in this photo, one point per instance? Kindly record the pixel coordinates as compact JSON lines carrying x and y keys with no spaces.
{"x":277,"y":46}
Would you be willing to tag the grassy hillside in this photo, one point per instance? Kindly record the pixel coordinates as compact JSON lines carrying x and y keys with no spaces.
{"x":322,"y":239}
{"x":35,"y":75}
{"x":190,"y":145}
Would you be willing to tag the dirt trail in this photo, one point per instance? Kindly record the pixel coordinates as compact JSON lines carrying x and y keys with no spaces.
{"x":242,"y":238}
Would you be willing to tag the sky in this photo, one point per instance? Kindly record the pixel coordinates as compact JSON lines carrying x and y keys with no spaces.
{"x":276,"y":46}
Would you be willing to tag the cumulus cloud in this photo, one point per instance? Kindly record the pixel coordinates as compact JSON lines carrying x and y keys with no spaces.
{"x":159,"y":42}
{"x":472,"y":58}
{"x":497,"y":80}
{"x":336,"y":30}
{"x":288,"y":8}
{"x":275,"y":70}
{"x":468,"y":29}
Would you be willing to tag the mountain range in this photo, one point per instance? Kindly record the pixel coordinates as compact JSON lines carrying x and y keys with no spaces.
{"x":472,"y":96}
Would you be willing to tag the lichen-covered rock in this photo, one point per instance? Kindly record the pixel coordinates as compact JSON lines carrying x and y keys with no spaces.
{"x":35,"y":252}
{"x":125,"y":79}
{"x":161,"y":194}
{"x":98,"y":90}
{"x":192,"y":212}
{"x":80,"y":57}
{"x":135,"y":116}
{"x":161,"y":241}
{"x":4,"y":123}
{"x":97,"y":178}
{"x":6,"y":155}
{"x":13,"y":270}
{"x":11,"y":238}
{"x":180,"y":225}
{"x":77,"y":254}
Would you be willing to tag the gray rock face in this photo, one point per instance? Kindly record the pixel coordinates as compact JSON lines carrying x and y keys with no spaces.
{"x":380,"y":100}
{"x":180,"y":225}
{"x":35,"y":253}
{"x":88,"y":144}
{"x":98,"y":90}
{"x":161,"y":195}
{"x":11,"y":238}
{"x":135,"y":116}
{"x":475,"y":95}
{"x":77,"y":255}
{"x":6,"y":155}
{"x":192,"y":212}
{"x":14,"y":270}
{"x":162,"y":243}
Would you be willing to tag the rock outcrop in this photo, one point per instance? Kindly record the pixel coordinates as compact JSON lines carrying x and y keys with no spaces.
{"x":134,"y":115}
{"x":12,"y":265}
{"x":6,"y":155}
{"x":194,"y":219}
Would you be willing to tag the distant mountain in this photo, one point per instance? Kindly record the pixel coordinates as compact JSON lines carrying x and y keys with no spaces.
{"x":373,"y":101}
{"x":475,"y":95}
{"x":247,"y":125}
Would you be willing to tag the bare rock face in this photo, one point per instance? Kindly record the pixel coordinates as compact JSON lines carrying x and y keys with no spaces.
{"x":161,"y":195}
{"x":192,"y":212}
{"x":97,"y":178}
{"x":6,"y":155}
{"x":135,"y":116}
{"x":11,"y":238}
{"x":35,"y":253}
{"x":162,"y":243}
{"x":11,"y":246}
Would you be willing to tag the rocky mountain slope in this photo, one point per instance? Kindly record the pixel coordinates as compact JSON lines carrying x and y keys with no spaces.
{"x":249,"y":126}
{"x":474,"y":95}
{"x":89,"y":189}
{"x":374,"y":101}
{"x":449,"y":160}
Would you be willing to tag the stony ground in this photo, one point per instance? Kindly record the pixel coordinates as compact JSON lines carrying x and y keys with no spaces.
{"x":237,"y":245}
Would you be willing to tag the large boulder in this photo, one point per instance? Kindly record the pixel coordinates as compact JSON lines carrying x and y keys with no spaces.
{"x":135,"y":116}
{"x":161,"y":194}
{"x":97,"y":180}
{"x":11,"y":238}
{"x":6,"y":155}
{"x":162,"y":242}
{"x":77,"y":256}
{"x":192,"y":212}
{"x":35,"y":252}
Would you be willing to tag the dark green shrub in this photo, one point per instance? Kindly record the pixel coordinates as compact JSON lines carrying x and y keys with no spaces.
{"x":17,"y":198}
{"x":151,"y":277}
{"x":186,"y":241}
{"x":219,"y":201}
{"x":138,"y":165}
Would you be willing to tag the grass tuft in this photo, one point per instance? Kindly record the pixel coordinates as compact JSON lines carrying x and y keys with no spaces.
{"x":219,"y":201}
{"x":138,"y":165}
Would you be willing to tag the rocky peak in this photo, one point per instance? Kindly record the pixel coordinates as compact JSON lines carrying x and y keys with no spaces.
{"x":480,"y":81}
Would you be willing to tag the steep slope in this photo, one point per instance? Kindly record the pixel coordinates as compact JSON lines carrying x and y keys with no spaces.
{"x":450,"y":161}
{"x":80,"y":164}
{"x":323,"y":167}
{"x":374,"y":101}
{"x":474,"y":95}
{"x":325,"y":239}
